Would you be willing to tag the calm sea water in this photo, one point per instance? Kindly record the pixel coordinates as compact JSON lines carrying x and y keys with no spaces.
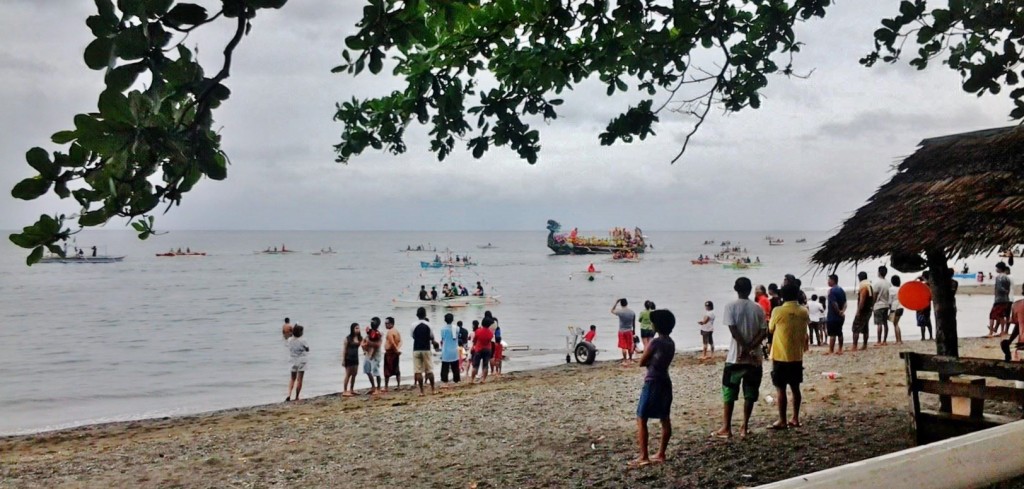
{"x":155,"y":336}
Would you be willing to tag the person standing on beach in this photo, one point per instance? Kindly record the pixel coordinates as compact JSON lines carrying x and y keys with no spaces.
{"x":646,"y":329}
{"x":747,"y":328}
{"x":864,"y":308}
{"x":656,"y":395}
{"x":998,"y":317}
{"x":789,"y":335}
{"x":924,"y":316}
{"x":815,"y":312}
{"x":707,"y":329}
{"x":482,"y":348}
{"x":299,"y":353}
{"x":422,"y":340}
{"x":627,"y":324}
{"x":761,"y":297}
{"x":350,"y":359}
{"x":372,"y":345}
{"x":895,"y":308}
{"x":836,"y":315}
{"x":449,"y":351}
{"x":392,"y":352}
{"x":880,"y":290}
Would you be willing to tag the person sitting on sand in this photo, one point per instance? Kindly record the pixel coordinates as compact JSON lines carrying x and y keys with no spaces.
{"x":286,"y":330}
{"x":747,"y":328}
{"x":789,"y":335}
{"x":656,"y":395}
{"x":422,"y":361}
{"x":350,"y":359}
{"x":392,"y":351}
{"x":627,"y":324}
{"x":299,"y":353}
{"x":707,"y":329}
{"x":590,"y":335}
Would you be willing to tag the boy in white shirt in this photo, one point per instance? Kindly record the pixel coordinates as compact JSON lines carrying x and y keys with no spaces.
{"x":298,"y":350}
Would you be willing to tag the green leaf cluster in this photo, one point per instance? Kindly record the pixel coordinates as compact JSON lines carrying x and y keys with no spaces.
{"x":982,"y":40}
{"x":144,"y":145}
{"x":536,"y":49}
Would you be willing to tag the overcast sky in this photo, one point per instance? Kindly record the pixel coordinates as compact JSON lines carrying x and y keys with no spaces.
{"x":812,"y":154}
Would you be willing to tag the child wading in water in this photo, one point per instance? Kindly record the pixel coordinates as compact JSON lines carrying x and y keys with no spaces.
{"x":656,"y":396}
{"x":298,"y":349}
{"x":707,"y":327}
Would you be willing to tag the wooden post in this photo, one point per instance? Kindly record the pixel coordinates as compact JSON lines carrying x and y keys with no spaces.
{"x":944,"y":303}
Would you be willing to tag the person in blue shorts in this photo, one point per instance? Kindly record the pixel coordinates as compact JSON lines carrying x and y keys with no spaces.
{"x":656,"y":396}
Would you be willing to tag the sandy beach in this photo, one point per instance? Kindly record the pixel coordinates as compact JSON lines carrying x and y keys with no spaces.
{"x":563,"y":426}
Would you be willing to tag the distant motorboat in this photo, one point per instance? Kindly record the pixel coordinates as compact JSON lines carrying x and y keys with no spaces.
{"x":801,"y":240}
{"x":487,"y":246}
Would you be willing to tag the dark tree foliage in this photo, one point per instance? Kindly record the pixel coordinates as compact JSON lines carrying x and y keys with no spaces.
{"x":475,"y":71}
{"x":159,"y":132}
{"x":980,"y":39}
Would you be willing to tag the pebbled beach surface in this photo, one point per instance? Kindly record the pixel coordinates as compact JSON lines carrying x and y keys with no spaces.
{"x":563,"y":426}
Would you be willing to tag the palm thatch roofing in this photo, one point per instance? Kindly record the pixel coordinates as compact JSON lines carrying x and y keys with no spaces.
{"x":963,"y":194}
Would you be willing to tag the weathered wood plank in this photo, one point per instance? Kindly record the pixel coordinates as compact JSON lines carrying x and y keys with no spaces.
{"x":983,"y":367}
{"x":991,"y":393}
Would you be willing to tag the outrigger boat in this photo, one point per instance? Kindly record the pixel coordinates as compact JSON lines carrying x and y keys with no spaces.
{"x":478,"y":298}
{"x":275,"y":251}
{"x":187,"y":252}
{"x":81,"y":259}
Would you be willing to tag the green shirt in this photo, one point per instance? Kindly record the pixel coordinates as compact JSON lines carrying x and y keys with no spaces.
{"x":645,"y":320}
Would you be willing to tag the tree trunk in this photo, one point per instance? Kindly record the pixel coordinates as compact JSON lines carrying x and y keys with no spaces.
{"x":943,"y":302}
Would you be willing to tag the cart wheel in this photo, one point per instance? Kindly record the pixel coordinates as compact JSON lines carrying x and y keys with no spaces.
{"x":585,"y":353}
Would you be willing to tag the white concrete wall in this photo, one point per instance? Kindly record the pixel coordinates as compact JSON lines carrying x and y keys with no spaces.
{"x":970,"y":461}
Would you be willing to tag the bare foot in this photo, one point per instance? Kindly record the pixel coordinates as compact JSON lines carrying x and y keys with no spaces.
{"x":778,"y":425}
{"x":347,"y":394}
{"x":839,"y":353}
{"x":794,"y":423}
{"x":744,"y":432}
{"x":640,"y":462}
{"x":722,"y":433}
{"x":658,"y":459}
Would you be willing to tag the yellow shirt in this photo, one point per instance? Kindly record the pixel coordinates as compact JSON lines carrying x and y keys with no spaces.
{"x":789,"y":332}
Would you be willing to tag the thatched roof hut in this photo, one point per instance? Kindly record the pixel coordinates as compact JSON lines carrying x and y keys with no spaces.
{"x":962,"y":193}
{"x":956,"y":196}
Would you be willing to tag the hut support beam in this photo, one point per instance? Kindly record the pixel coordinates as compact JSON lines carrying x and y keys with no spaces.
{"x":944,"y":303}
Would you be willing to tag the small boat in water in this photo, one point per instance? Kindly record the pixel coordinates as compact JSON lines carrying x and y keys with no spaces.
{"x":487,"y":246}
{"x":187,"y":252}
{"x":81,"y":259}
{"x":328,"y":251}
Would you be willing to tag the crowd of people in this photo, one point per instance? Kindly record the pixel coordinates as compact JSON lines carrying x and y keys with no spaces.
{"x":474,"y":353}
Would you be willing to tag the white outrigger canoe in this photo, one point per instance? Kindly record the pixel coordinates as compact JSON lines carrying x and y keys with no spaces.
{"x":457,"y":301}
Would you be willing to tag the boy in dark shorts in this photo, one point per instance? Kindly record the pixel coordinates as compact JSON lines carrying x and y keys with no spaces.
{"x":789,"y":342}
{"x":656,"y":396}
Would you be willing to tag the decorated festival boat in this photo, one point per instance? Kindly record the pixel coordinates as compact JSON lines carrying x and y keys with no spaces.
{"x":619,"y":239}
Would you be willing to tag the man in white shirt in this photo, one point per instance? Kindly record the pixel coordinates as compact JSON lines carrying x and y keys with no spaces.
{"x":817,"y":315}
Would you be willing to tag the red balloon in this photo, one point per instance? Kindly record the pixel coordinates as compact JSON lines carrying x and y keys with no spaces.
{"x":915,"y":295}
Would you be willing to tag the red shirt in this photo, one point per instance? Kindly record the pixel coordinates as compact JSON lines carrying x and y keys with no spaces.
{"x":766,"y":305}
{"x":590,"y":336}
{"x":482,"y":339}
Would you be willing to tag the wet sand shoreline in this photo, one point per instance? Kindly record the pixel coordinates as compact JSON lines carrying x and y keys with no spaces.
{"x":562,"y":426}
